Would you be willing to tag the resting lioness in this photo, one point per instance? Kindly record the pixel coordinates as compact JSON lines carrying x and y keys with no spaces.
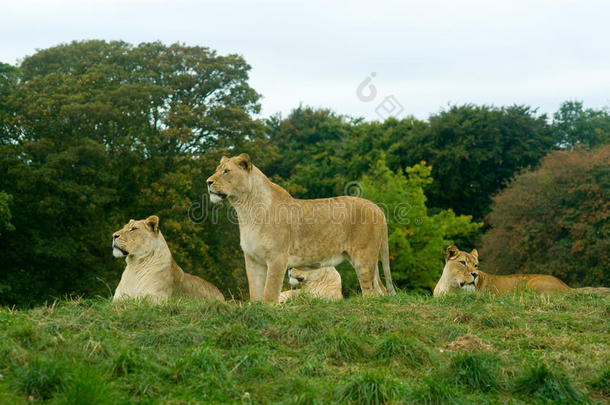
{"x":462,"y":272}
{"x":279,"y":232}
{"x":151,"y":271}
{"x":321,"y":283}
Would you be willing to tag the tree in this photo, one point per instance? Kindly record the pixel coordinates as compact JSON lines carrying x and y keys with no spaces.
{"x":475,"y":150}
{"x":554,"y":220}
{"x":577,"y":126}
{"x":95,"y":133}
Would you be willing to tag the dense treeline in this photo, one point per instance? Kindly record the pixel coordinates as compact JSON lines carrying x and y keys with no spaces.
{"x":95,"y":133}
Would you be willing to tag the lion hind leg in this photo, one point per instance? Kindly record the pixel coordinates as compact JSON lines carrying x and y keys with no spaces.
{"x":379,"y":287}
{"x":367,"y":276}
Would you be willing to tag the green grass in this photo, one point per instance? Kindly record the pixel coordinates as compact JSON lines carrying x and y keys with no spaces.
{"x":358,"y":351}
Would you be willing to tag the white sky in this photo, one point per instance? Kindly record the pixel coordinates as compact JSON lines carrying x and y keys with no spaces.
{"x":425,"y":53}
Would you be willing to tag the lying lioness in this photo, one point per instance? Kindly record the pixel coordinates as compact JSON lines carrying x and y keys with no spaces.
{"x":321,"y":283}
{"x":461,"y":272}
{"x":151,"y":271}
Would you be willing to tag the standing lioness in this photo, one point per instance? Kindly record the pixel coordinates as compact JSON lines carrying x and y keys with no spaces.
{"x":278,"y":232}
{"x":151,"y":271}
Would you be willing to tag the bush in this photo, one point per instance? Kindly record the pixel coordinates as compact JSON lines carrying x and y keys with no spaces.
{"x":417,"y":241}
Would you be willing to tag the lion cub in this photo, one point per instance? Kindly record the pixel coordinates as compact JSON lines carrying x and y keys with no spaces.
{"x":462,"y":272}
{"x":151,"y":271}
{"x":322,"y":283}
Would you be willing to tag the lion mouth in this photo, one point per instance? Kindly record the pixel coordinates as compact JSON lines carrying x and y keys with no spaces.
{"x":221,"y":195}
{"x":216,"y":196}
{"x":123,"y":251}
{"x":467,"y":284}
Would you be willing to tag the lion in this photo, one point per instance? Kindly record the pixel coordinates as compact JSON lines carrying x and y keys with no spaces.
{"x":278,"y":231}
{"x":462,"y":272}
{"x":321,"y":283}
{"x":151,"y":271}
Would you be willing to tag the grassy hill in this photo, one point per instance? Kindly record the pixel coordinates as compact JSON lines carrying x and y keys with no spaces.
{"x":403,"y":349}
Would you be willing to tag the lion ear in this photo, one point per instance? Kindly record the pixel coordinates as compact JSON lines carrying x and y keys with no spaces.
{"x":223,"y":159}
{"x":244,"y":162}
{"x":153,"y":223}
{"x":451,"y":252}
{"x":475,"y":253}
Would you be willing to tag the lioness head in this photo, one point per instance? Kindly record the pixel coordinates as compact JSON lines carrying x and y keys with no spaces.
{"x":462,"y":267}
{"x":231,"y":178}
{"x":136,"y":237}
{"x":297,"y":276}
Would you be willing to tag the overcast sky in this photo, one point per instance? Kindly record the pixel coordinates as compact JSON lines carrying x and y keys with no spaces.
{"x":426,"y":54}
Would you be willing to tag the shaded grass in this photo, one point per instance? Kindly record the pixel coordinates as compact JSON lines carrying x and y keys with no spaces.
{"x":370,"y":388}
{"x":433,"y":391}
{"x":547,"y":384}
{"x":476,"y":371}
{"x":309,"y":351}
{"x":40,"y":378}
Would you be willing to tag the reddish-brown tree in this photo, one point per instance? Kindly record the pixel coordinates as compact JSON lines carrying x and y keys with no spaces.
{"x":554,"y":220}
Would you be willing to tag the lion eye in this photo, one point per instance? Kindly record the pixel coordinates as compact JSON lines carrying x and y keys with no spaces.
{"x":476,"y":265}
{"x":225,"y":171}
{"x":132,"y":229}
{"x":463,"y":262}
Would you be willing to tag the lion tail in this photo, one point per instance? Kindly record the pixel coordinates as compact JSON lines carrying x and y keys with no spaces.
{"x":385,"y":261}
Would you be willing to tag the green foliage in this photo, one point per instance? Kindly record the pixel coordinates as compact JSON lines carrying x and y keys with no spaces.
{"x":95,"y":133}
{"x":474,"y":151}
{"x":577,"y":126}
{"x":417,"y":240}
{"x":554,"y":220}
{"x":92,"y":351}
{"x":5,"y":212}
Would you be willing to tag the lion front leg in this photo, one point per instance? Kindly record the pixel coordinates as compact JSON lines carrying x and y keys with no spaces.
{"x":276,"y":270}
{"x":257,"y":273}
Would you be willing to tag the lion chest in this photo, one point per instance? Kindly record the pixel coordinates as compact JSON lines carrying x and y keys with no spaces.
{"x":137,"y":282}
{"x":254,"y":243}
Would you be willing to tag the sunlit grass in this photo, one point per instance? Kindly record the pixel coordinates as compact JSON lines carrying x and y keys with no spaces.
{"x":386,"y":350}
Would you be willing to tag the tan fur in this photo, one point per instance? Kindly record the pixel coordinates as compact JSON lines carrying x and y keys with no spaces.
{"x":279,"y":232}
{"x":320,"y":283}
{"x":461,"y":268}
{"x":151,"y":271}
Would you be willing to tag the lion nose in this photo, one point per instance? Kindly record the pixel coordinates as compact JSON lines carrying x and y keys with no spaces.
{"x":474,"y":275}
{"x":116,"y":235}
{"x":210,"y":182}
